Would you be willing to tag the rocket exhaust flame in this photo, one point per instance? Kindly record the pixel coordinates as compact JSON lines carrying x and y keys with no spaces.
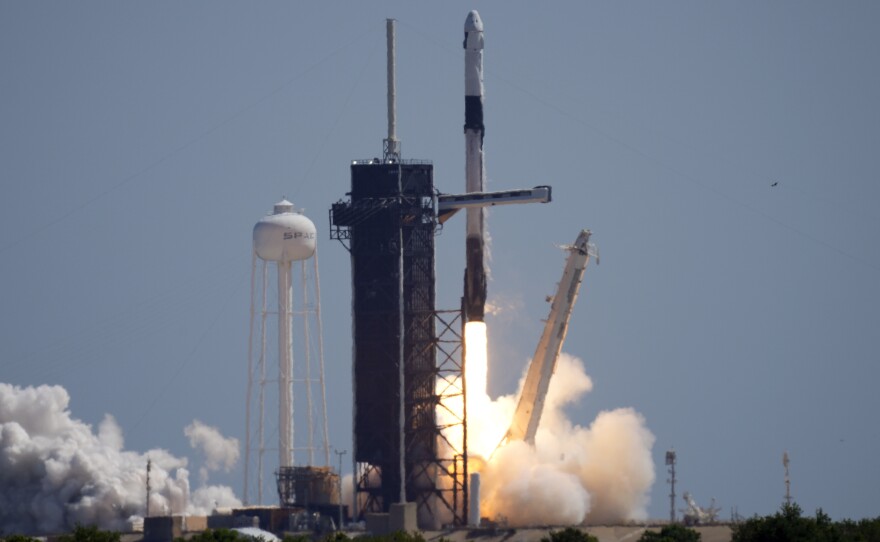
{"x":600,"y":473}
{"x":477,"y":363}
{"x":486,"y":418}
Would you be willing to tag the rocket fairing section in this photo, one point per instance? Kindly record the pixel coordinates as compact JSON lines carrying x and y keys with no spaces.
{"x":531,"y":402}
{"x":475,"y":272}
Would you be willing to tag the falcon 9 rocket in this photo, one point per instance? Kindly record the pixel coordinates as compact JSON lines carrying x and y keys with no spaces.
{"x":474,"y":130}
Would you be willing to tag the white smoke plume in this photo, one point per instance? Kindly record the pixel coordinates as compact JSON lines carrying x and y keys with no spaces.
{"x":219,"y":452}
{"x":56,"y":472}
{"x":498,"y":306}
{"x":574,"y":474}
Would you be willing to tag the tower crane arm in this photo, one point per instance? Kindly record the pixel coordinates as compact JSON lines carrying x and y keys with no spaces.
{"x":449,"y":204}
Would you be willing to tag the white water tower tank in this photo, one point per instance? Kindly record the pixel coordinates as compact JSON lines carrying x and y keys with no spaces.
{"x":285,"y":235}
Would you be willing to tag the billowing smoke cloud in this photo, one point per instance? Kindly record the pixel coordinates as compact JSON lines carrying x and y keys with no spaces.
{"x":219,"y":452}
{"x":573,"y":474}
{"x":56,"y":472}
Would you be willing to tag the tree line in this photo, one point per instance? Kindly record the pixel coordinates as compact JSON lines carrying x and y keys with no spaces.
{"x":789,"y":524}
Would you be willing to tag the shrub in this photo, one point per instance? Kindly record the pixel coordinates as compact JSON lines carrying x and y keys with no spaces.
{"x":671,"y":533}
{"x":569,"y":534}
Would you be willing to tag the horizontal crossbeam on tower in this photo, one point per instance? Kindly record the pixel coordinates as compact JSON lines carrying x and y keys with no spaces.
{"x":449,"y":204}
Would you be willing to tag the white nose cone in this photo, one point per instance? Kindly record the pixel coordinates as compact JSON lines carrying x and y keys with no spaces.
{"x":473,"y":32}
{"x":285,"y":235}
{"x":473,"y":22}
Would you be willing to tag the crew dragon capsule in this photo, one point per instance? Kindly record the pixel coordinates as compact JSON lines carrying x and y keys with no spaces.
{"x":475,"y":272}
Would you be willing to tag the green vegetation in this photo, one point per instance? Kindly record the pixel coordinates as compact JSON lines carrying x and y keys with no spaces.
{"x":229,"y":535}
{"x":866,"y":530}
{"x":671,"y":533}
{"x":217,"y":535}
{"x":89,"y":533}
{"x":789,"y":525}
{"x":398,"y":536}
{"x":19,"y":538}
{"x":569,"y":534}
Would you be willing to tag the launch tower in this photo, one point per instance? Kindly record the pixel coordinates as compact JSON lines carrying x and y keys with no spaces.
{"x":388,"y":226}
{"x":409,"y":357}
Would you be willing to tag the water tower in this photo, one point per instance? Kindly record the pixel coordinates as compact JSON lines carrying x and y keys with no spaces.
{"x":280,"y":239}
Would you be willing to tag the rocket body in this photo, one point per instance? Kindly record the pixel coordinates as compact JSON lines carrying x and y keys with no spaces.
{"x":474,"y":130}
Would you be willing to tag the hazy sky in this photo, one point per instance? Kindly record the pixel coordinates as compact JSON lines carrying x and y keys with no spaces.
{"x":140,"y":142}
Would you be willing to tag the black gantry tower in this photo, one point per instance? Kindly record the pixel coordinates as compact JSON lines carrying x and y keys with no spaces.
{"x":403,"y":369}
{"x":388,"y":226}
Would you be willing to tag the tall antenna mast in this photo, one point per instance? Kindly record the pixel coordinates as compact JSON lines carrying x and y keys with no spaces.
{"x":670,"y":462}
{"x":391,"y":144}
{"x":149,"y":467}
{"x":787,"y":479}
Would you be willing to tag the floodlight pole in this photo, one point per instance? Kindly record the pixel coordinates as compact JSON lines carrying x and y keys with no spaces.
{"x":787,"y":479}
{"x":670,"y":462}
{"x":340,"y":454}
{"x":149,"y":468}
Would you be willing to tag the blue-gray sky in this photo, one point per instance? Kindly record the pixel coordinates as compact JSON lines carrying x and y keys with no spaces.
{"x":141,"y":141}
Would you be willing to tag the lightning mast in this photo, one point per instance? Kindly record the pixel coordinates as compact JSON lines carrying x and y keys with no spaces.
{"x":787,"y":479}
{"x":670,"y":462}
{"x":149,"y":468}
{"x":391,"y":143}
